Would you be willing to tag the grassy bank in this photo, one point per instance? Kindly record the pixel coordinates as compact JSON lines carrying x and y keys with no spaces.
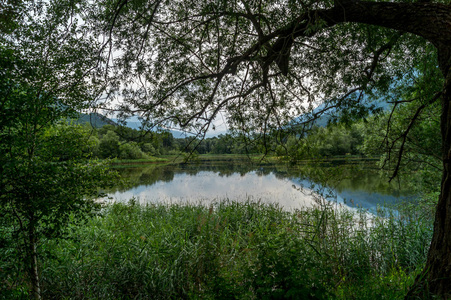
{"x":256,"y":158}
{"x":193,"y":159}
{"x":219,"y":157}
{"x":234,"y":251}
{"x":150,"y":159}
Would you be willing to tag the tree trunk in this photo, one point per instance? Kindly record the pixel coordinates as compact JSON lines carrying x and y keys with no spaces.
{"x":436,"y":276}
{"x":33,"y":264}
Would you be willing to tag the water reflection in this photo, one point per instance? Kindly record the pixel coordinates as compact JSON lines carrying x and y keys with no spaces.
{"x":289,"y":186}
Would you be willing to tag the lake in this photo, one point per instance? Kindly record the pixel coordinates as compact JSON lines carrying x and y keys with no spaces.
{"x":290,"y":186}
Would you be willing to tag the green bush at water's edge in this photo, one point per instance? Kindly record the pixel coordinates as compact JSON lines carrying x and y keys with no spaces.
{"x":234,"y":251}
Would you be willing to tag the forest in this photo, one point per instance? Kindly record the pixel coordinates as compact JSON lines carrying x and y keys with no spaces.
{"x":301,"y":84}
{"x":364,"y":137}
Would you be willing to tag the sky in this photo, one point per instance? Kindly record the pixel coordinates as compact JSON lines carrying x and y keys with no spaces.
{"x":219,"y":123}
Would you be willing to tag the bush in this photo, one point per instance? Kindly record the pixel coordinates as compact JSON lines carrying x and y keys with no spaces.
{"x":149,"y":149}
{"x":131,"y":150}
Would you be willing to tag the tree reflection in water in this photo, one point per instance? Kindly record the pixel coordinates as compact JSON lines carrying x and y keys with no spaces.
{"x":292,"y":186}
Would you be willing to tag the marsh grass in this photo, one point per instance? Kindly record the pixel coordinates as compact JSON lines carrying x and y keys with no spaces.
{"x":233,"y":250}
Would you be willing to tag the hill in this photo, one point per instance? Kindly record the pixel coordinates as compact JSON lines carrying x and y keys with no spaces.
{"x":95,"y":119}
{"x":325,"y":118}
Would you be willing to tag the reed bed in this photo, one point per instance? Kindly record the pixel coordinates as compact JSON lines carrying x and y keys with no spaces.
{"x":234,"y":250}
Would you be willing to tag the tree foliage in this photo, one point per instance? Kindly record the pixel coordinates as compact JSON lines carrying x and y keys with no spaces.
{"x":48,"y":71}
{"x":185,"y":63}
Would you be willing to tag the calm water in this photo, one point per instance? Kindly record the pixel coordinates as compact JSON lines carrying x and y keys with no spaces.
{"x":289,"y":186}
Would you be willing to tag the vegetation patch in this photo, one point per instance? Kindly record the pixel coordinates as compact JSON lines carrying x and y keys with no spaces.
{"x":234,"y":250}
{"x":148,"y":160}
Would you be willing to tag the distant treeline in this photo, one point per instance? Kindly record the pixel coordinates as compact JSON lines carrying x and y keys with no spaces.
{"x":366,"y":137}
{"x":127,"y":143}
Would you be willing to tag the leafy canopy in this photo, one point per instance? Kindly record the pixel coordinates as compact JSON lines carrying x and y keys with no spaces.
{"x":187,"y":63}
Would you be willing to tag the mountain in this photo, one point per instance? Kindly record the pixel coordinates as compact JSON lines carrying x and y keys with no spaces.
{"x":95,"y":119}
{"x":98,"y":120}
{"x":337,"y":114}
{"x":134,"y":123}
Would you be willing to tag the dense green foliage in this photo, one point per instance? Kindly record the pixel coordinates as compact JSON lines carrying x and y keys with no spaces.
{"x":333,"y":140}
{"x":40,"y":194}
{"x":127,"y":143}
{"x":46,"y":176}
{"x":236,"y":251}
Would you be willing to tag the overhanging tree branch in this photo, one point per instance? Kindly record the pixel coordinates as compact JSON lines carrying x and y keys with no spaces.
{"x":403,"y":137}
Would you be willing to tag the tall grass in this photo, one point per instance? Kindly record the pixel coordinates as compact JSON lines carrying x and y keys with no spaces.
{"x":235,"y":250}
